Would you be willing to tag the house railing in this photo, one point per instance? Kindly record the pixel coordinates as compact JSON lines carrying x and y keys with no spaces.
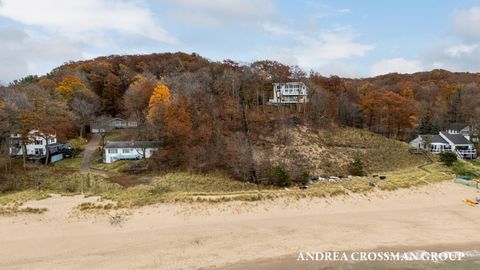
{"x":461,"y":154}
{"x":470,"y":153}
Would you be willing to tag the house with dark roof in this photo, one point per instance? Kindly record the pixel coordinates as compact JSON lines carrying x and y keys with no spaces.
{"x":460,"y":128}
{"x":456,"y":139}
{"x":107,"y":124}
{"x":128,"y":150}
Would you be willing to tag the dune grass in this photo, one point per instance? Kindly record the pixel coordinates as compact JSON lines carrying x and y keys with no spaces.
{"x":404,"y":178}
{"x":114,"y":167}
{"x":18,"y":198}
{"x":213,"y":188}
{"x":10,"y":211}
{"x":10,"y":203}
{"x":467,"y":168}
{"x":180,"y":186}
{"x":329,"y":151}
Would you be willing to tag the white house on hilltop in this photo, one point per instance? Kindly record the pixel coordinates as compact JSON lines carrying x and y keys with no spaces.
{"x":122,"y":150}
{"x":289,"y":93}
{"x":456,"y":139}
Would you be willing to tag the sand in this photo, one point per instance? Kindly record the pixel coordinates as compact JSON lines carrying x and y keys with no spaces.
{"x":209,"y":236}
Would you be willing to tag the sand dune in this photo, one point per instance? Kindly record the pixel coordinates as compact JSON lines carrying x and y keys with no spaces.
{"x":193,"y":236}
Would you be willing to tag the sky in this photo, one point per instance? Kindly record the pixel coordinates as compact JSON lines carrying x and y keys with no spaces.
{"x":349,"y":38}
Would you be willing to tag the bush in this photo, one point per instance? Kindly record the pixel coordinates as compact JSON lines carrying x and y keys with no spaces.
{"x":356,"y":167}
{"x":303,"y":177}
{"x":280,"y":176}
{"x":448,"y":158}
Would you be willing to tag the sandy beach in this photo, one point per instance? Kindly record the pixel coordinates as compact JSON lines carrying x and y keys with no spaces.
{"x":229,"y":235}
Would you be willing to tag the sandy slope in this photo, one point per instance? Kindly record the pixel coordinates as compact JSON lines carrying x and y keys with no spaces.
{"x":177,"y":236}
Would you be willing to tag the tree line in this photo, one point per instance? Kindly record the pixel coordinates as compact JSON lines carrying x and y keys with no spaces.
{"x":208,"y":115}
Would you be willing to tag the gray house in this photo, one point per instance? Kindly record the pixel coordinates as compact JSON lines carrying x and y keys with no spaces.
{"x":105,"y":124}
{"x":455,"y":139}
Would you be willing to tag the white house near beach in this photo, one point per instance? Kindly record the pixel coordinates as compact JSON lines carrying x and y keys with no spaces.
{"x":456,"y":139}
{"x":123,"y":150}
{"x":36,"y":146}
{"x":289,"y":93}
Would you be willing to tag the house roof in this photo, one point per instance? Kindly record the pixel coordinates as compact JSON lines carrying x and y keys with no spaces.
{"x":456,"y":138}
{"x":457,"y":126}
{"x":437,"y":139}
{"x":132,"y":144}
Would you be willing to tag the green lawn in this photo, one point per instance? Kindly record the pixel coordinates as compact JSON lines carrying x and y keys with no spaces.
{"x":70,"y":163}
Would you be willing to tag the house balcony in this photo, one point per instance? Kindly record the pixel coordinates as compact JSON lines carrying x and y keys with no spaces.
{"x":467,"y":154}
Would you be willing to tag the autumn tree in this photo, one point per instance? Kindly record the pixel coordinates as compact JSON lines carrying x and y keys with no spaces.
{"x":4,"y":134}
{"x":157,"y":102}
{"x":69,"y":87}
{"x":370,"y":104}
{"x":28,"y":122}
{"x":55,"y":120}
{"x":137,"y":98}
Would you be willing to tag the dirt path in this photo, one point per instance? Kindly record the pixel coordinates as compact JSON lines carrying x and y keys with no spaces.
{"x":88,"y":153}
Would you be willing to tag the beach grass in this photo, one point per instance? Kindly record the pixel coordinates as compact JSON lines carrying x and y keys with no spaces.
{"x":213,"y":188}
{"x":18,"y":198}
{"x":10,"y":211}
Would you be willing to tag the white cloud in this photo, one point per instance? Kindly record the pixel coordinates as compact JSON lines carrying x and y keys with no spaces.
{"x":465,"y":24}
{"x":80,"y":20}
{"x":340,"y":69}
{"x":21,"y":55}
{"x":315,"y":50}
{"x":219,"y":13}
{"x":460,"y":49}
{"x":399,"y":65}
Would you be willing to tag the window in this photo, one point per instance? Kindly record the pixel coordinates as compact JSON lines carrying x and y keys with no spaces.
{"x":112,"y":151}
{"x":39,"y":151}
{"x":126,"y":151}
{"x":38,"y":142}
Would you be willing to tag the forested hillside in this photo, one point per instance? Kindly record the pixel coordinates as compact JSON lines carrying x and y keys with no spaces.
{"x":209,"y":115}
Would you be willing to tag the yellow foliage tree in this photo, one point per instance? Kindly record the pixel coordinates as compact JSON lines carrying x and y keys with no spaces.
{"x":69,"y":86}
{"x":161,"y":95}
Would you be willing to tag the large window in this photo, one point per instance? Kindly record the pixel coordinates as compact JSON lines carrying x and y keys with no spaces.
{"x":127,"y":150}
{"x":112,"y":151}
{"x":38,"y":142}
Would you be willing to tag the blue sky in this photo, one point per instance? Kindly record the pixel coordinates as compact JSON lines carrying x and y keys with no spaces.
{"x":347,"y":38}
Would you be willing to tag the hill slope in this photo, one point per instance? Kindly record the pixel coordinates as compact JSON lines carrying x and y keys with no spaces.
{"x":329,"y":151}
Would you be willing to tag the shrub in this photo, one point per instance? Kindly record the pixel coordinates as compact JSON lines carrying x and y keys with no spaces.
{"x":280,"y":176}
{"x":356,"y":167}
{"x":303,"y":177}
{"x":448,"y":158}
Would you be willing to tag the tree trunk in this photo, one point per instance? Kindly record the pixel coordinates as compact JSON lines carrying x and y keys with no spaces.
{"x":252,"y":174}
{"x":24,"y":153}
{"x":82,"y":131}
{"x":47,"y":153}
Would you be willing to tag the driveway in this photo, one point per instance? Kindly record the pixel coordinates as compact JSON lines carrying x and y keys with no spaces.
{"x":89,"y":151}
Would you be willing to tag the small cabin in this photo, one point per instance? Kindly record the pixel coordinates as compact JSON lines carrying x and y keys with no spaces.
{"x":128,"y":150}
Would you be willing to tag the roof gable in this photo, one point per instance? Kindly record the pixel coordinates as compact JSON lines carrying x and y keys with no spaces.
{"x":456,"y":138}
